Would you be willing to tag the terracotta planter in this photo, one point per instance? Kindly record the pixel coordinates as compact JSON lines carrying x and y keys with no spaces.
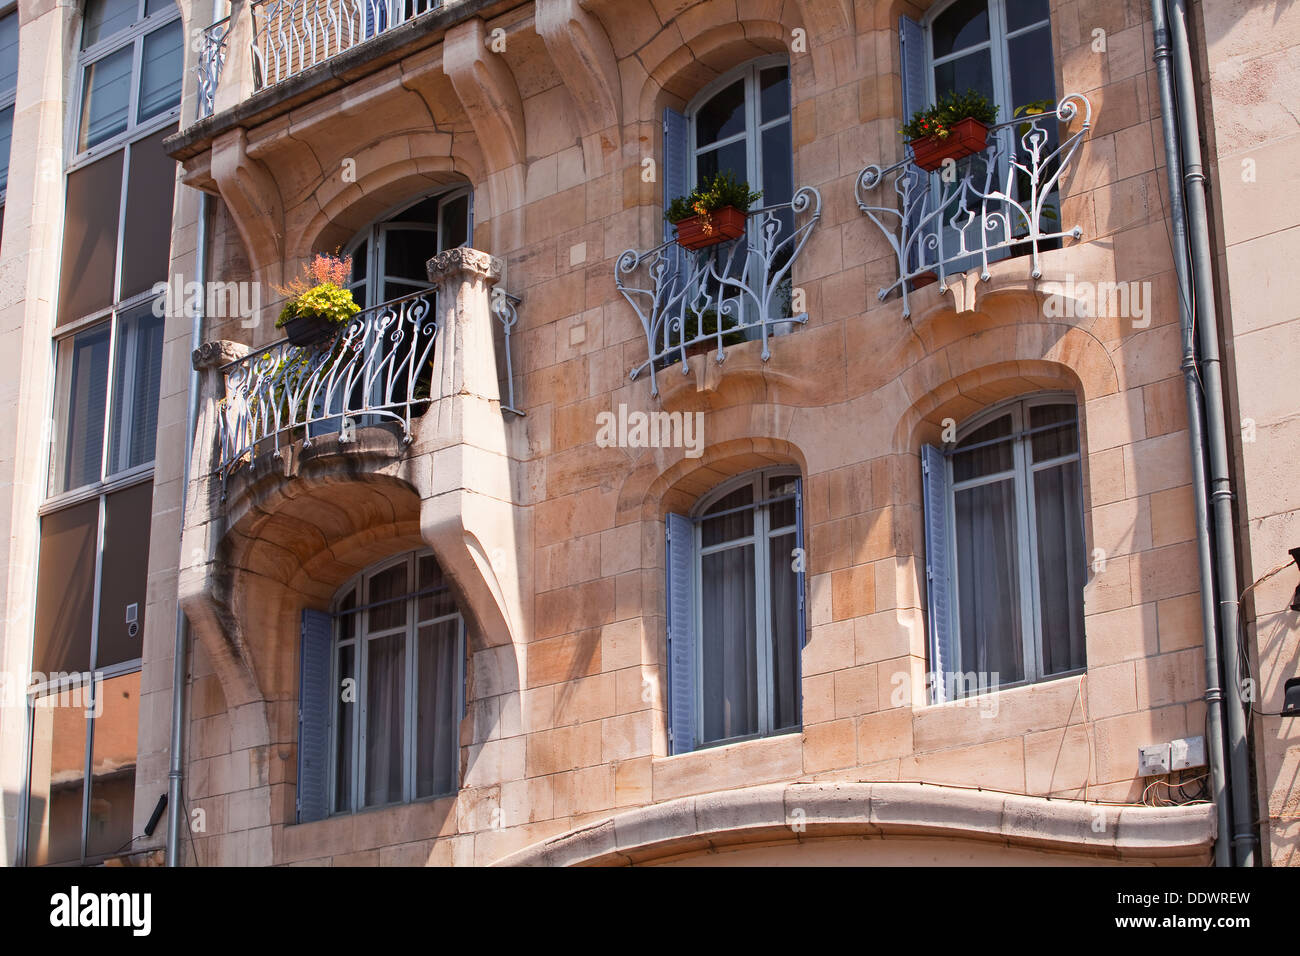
{"x":923,"y":280}
{"x":697,"y":232}
{"x":967,"y":137}
{"x":308,"y":329}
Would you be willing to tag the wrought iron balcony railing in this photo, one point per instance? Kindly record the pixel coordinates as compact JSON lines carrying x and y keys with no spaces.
{"x":290,"y":36}
{"x":998,"y":203}
{"x":720,"y":295}
{"x":376,"y":368}
{"x":213,"y":44}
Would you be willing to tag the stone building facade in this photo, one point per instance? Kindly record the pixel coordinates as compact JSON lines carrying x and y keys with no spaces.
{"x":578,"y":549}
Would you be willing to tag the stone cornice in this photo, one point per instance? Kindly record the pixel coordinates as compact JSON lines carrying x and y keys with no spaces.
{"x":805,"y":811}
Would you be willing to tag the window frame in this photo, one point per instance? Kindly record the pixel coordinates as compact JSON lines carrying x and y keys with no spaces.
{"x":760,"y":480}
{"x":1027,"y":565}
{"x":754,"y":124}
{"x":108,"y":480}
{"x":132,"y":36}
{"x":374,"y":237}
{"x":999,"y":37}
{"x":359,"y":584}
{"x":749,"y":73}
{"x":9,"y":99}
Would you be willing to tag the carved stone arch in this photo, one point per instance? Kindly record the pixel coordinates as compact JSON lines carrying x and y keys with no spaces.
{"x":346,"y":208}
{"x":682,"y":70}
{"x":681,"y":484}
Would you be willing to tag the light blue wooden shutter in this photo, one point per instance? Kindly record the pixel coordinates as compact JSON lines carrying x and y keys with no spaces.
{"x":938,"y":567}
{"x":314,"y":690}
{"x":680,"y":590}
{"x":676,"y":180}
{"x":914,"y":64}
{"x":801,"y":575}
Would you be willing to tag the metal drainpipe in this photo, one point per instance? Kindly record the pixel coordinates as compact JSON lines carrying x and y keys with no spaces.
{"x":1196,"y":438}
{"x":1243,"y":835}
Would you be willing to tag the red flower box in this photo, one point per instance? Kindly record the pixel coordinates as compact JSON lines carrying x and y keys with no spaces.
{"x":711,"y":228}
{"x":966,"y":137}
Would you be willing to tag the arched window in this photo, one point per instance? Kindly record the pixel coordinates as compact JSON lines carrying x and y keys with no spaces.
{"x":389,"y":258}
{"x":1005,"y":549}
{"x":739,"y":124}
{"x":735,"y":608}
{"x":1003,"y":50}
{"x":383,"y":680}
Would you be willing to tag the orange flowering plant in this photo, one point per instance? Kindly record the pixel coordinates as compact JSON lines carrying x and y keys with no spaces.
{"x":322,"y":291}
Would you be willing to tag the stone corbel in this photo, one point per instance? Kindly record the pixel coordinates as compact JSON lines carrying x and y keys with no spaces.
{"x":469,"y":513}
{"x":585,"y":59}
{"x":250,"y":192}
{"x":490,"y":97}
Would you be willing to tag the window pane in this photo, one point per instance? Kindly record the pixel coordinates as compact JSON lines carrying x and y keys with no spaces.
{"x":384,"y":587}
{"x":722,"y":116}
{"x":8,"y":54}
{"x":155,"y":6}
{"x":112,"y":767}
{"x":963,"y":24}
{"x":360,"y":261}
{"x":733,"y":158}
{"x":137,"y":373}
{"x":79,"y":411}
{"x":989,"y":460}
{"x":774,"y":85}
{"x":151,"y":183}
{"x":1021,"y":13}
{"x":437,"y":729}
{"x":778,"y":167}
{"x":1058,"y":504}
{"x":106,"y":17}
{"x":1032,"y":77}
{"x":781,"y":513}
{"x":1059,"y":441}
{"x":406,"y":252}
{"x":455,"y":223}
{"x":971,"y":72}
{"x":65,"y":590}
{"x":90,"y":238}
{"x":385,"y":719}
{"x":785,"y":633}
{"x":124,"y":576}
{"x":343,"y":732}
{"x":161,"y":68}
{"x":729,"y":527}
{"x":988,"y":583}
{"x":57,"y":776}
{"x":426,"y":210}
{"x":6,"y":141}
{"x":729,"y":675}
{"x":105,"y":98}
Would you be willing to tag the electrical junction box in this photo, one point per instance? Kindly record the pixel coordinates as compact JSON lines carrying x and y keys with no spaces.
{"x":1153,"y":760}
{"x":1188,"y":752}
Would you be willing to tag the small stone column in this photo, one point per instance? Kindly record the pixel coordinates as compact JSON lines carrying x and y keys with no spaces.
{"x":465,"y":357}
